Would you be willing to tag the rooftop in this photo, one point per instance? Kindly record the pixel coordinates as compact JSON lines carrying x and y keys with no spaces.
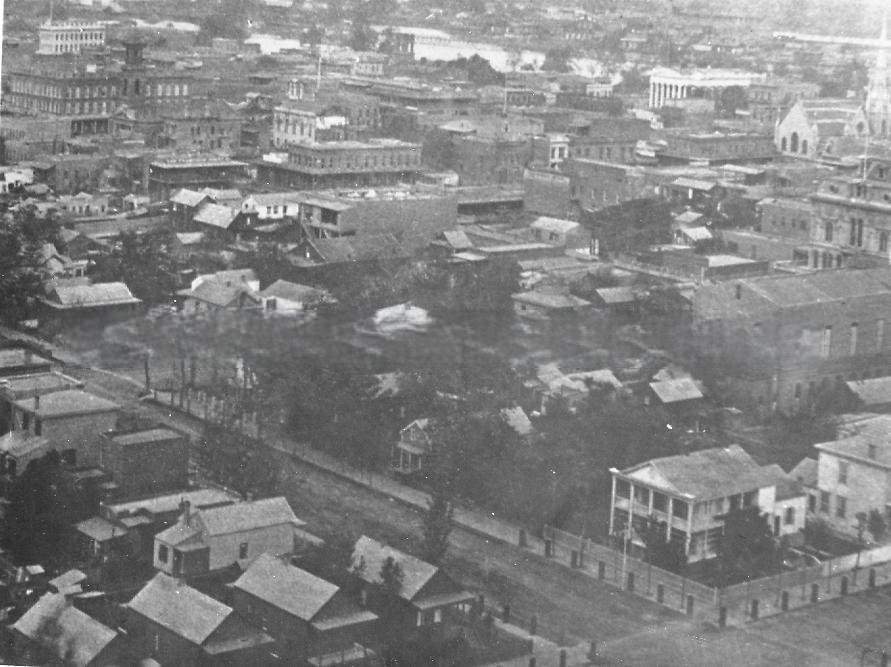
{"x":186,"y":612}
{"x":371,"y":555}
{"x":289,"y":588}
{"x":147,"y":436}
{"x":867,"y":441}
{"x":78,"y":639}
{"x":66,"y":402}
{"x":170,"y":502}
{"x":89,"y":296}
{"x":17,"y":357}
{"x":709,"y":473}
{"x":677,"y":390}
{"x":245,"y":516}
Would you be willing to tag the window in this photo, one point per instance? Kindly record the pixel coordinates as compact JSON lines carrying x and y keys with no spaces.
{"x":827,"y":232}
{"x":842,"y":472}
{"x":824,"y":502}
{"x":660,"y":502}
{"x":811,"y":503}
{"x":718,"y":506}
{"x":853,"y":349}
{"x":642,"y":496}
{"x":437,"y":615}
{"x":163,"y":553}
{"x":623,"y":488}
{"x":38,"y":427}
{"x":242,"y":551}
{"x":883,"y":241}
{"x":749,"y":498}
{"x":826,"y":343}
{"x":735,"y":502}
{"x":789,"y":517}
{"x":679,"y":509}
{"x":841,"y":506}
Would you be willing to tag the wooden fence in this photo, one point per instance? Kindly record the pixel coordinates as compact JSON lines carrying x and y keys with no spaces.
{"x":731,"y":605}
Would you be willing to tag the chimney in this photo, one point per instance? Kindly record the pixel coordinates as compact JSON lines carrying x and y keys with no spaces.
{"x":185,"y":509}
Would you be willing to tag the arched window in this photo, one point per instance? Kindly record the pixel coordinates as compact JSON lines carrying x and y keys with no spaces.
{"x":783,"y":144}
{"x":827,"y":232}
{"x":793,"y":144}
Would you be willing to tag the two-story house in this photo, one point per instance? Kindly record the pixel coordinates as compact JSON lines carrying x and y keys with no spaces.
{"x":312,"y":619}
{"x":423,"y":596}
{"x":175,"y":624}
{"x":72,"y":420}
{"x":854,"y":473}
{"x":214,"y":538}
{"x":691,"y":494}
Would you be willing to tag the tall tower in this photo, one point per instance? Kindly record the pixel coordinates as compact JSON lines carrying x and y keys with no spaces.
{"x":878,"y":92}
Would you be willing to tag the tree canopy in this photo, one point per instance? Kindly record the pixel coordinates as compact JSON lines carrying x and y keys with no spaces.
{"x":746,"y":549}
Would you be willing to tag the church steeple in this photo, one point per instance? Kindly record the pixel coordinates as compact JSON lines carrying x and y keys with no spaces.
{"x":878,"y":93}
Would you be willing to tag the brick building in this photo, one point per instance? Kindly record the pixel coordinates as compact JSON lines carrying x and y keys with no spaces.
{"x":145,"y":462}
{"x":168,"y":174}
{"x":715,"y":147}
{"x":201,"y":126}
{"x":338,"y":164}
{"x":793,"y":338}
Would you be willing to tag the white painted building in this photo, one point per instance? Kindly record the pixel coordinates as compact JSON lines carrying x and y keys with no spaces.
{"x":668,"y":86}
{"x":58,"y":37}
{"x":691,"y":494}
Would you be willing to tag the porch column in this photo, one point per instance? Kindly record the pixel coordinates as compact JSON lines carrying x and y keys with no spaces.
{"x":670,"y":517}
{"x":612,"y":506}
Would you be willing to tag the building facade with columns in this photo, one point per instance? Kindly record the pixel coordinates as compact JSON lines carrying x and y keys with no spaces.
{"x":57,"y":37}
{"x":691,"y":494}
{"x":668,"y":86}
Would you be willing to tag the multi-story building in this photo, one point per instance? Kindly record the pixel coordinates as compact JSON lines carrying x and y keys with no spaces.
{"x":770,"y":99}
{"x":85,"y":92}
{"x":328,"y":164}
{"x":854,"y":474}
{"x":305,"y":122}
{"x":788,"y":340}
{"x":814,"y":127}
{"x":692,"y":507}
{"x":715,"y":147}
{"x":668,"y":86}
{"x":853,"y":214}
{"x":169,"y":174}
{"x":58,"y":37}
{"x":200,"y":127}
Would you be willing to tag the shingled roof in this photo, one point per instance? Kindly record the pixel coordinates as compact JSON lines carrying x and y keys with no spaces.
{"x":245,"y":516}
{"x":289,"y":588}
{"x":371,"y":555}
{"x":186,"y":612}
{"x":709,"y":473}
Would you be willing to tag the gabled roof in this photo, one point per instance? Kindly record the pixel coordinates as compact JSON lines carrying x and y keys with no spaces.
{"x":146,"y":436}
{"x":99,"y":529}
{"x":862,"y":438}
{"x":66,"y":402}
{"x":286,"y":587}
{"x":550,"y":300}
{"x":219,"y":293}
{"x":805,"y":472}
{"x":90,"y":296}
{"x":457,"y":239}
{"x":517,"y":419}
{"x":22,"y":443}
{"x":169,"y":502}
{"x":679,"y":389}
{"x":188,"y":197}
{"x":371,"y":554}
{"x":616,"y":295}
{"x":872,"y":391}
{"x":696,"y":233}
{"x":186,"y":612}
{"x":694,"y":184}
{"x":78,"y":639}
{"x":246,"y":516}
{"x":708,"y":473}
{"x":216,"y":215}
{"x":283,"y":289}
{"x":688,"y":217}
{"x":556,"y":225}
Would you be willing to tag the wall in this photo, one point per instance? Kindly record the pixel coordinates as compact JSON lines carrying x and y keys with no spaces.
{"x":79,"y":432}
{"x":866,"y":489}
{"x":146,"y":468}
{"x":272,"y":539}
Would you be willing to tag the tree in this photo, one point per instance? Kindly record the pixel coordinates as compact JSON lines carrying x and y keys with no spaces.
{"x":237,"y":461}
{"x":437,"y":525}
{"x":662,"y":551}
{"x":141,"y":262}
{"x":557,"y":59}
{"x":20,"y":262}
{"x":746,"y":548}
{"x":877,"y":525}
{"x":391,"y":576}
{"x":362,"y":35}
{"x":730,"y":100}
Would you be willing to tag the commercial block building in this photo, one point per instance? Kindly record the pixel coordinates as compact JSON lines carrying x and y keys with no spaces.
{"x":58,"y":37}
{"x":145,"y":462}
{"x":342,"y":164}
{"x":793,"y":338}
